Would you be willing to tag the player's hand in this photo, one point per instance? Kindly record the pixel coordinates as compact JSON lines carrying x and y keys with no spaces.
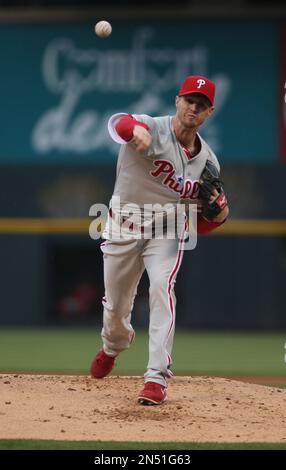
{"x":224,"y":213}
{"x":142,"y":139}
{"x":220,"y":217}
{"x":213,"y":197}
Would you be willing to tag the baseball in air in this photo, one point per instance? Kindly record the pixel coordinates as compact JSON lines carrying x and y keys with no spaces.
{"x":103,"y":29}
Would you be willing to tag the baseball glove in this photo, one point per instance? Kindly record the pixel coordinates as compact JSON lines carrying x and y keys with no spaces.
{"x":210,"y":181}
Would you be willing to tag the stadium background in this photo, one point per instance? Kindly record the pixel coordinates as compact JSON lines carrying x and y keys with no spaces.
{"x":59,"y":85}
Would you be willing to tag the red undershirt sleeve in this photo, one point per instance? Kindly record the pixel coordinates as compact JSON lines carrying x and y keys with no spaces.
{"x":125,"y":126}
{"x":205,"y":226}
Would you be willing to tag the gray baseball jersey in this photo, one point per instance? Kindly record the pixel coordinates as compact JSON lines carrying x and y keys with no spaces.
{"x":163,"y":175}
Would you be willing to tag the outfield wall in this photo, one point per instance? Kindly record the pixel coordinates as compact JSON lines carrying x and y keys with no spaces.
{"x":60,"y":83}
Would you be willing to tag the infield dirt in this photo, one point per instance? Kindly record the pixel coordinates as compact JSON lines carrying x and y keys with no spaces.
{"x":198,"y":409}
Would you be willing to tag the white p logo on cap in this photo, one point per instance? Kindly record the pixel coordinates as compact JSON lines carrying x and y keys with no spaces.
{"x":200,"y":83}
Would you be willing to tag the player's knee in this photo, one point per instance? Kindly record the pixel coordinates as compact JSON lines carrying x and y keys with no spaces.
{"x":117,"y":308}
{"x":158,"y":284}
{"x":118,"y":331}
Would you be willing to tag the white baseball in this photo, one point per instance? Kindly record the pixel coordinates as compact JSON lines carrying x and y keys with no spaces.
{"x":103,"y":29}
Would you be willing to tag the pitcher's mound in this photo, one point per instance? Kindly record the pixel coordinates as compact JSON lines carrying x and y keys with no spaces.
{"x":204,"y":409}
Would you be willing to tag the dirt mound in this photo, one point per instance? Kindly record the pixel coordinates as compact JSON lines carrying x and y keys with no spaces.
{"x":204,"y":409}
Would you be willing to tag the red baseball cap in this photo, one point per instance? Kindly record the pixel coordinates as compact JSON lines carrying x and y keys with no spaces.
{"x":197,"y":84}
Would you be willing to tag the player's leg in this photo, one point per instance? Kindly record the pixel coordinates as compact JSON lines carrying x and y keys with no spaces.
{"x":162,"y":259}
{"x":123,"y":268}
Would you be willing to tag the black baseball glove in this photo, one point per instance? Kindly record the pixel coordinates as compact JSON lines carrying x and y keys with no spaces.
{"x":210,"y":181}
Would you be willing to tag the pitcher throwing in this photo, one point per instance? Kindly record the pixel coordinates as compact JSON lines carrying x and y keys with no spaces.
{"x":162,"y":161}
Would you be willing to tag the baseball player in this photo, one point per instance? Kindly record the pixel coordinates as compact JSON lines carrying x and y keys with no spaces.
{"x":163,"y":161}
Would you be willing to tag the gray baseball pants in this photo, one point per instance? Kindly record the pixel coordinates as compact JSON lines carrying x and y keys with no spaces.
{"x":124,"y":264}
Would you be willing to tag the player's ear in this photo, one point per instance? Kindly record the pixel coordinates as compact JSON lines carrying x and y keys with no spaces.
{"x":211,"y":110}
{"x":177,"y":101}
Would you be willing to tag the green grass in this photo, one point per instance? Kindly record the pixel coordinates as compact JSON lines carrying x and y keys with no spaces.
{"x":27,"y":444}
{"x":199,"y":352}
{"x":277,"y":385}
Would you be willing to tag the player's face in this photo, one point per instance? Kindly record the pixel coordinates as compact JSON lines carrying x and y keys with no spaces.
{"x":193,"y":109}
